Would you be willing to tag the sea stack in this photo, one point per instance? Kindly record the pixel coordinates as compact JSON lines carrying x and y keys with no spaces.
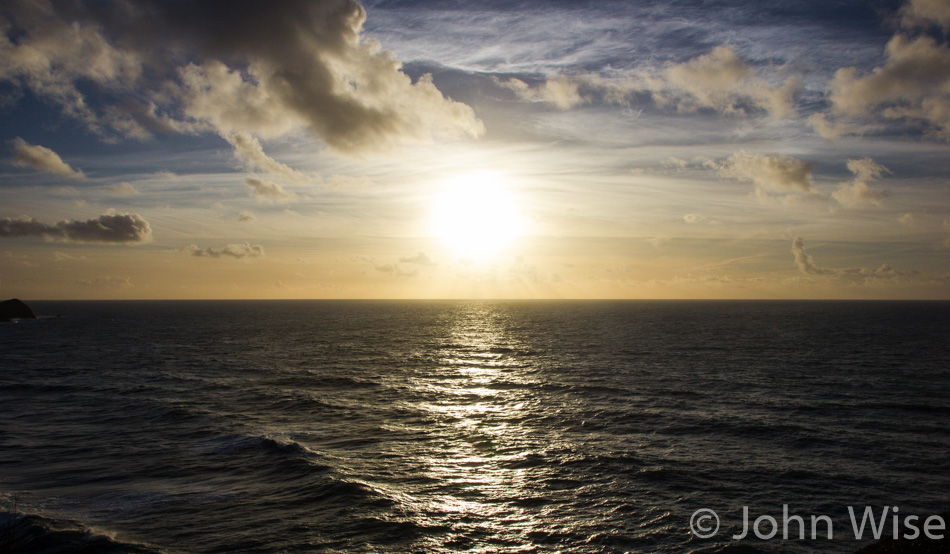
{"x":15,"y":309}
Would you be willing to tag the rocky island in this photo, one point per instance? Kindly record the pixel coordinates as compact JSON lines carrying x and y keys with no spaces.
{"x":15,"y":309}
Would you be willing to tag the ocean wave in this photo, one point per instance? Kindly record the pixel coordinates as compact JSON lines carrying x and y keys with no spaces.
{"x":35,"y":534}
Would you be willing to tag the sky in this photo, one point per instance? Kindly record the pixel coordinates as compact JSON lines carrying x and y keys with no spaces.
{"x":528,"y":149}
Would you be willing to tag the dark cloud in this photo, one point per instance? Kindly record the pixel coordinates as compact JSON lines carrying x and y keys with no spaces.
{"x":232,"y":67}
{"x":107,"y":228}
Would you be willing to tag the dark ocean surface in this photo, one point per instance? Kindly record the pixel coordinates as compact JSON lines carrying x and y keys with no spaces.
{"x":574,"y":427}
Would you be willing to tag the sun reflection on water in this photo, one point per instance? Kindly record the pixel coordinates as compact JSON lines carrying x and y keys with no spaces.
{"x":478,"y":397}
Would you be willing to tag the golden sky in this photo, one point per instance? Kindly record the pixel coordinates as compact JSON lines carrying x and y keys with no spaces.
{"x":397,"y":149}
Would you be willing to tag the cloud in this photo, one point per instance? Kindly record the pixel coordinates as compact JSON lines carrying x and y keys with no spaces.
{"x":832,"y":130}
{"x":41,"y":158}
{"x":723,"y":81}
{"x":804,"y":260}
{"x":697,"y":219}
{"x":264,"y":69}
{"x":675,"y":163}
{"x":719,"y":80}
{"x":62,"y":257}
{"x":808,"y":266}
{"x":166,"y":175}
{"x":266,"y":190}
{"x":912,"y":84}
{"x":559,"y":91}
{"x":108,"y":228}
{"x":918,"y":13}
{"x":249,"y":150}
{"x":856,"y":192}
{"x":395,"y":270}
{"x":770,"y":173}
{"x":246,"y":216}
{"x":51,"y":54}
{"x":110,"y":281}
{"x":348,"y":182}
{"x":238,"y":251}
{"x":418,"y":259}
{"x":123,"y":189}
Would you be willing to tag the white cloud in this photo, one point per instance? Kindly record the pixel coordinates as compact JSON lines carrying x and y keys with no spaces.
{"x":924,"y":12}
{"x":913,"y":84}
{"x":41,"y":158}
{"x":248,"y":149}
{"x":720,"y":80}
{"x":246,"y":216}
{"x":804,"y":260}
{"x":51,"y":54}
{"x":559,"y":91}
{"x":772,"y":174}
{"x":123,"y":189}
{"x":694,"y":219}
{"x":266,"y":190}
{"x":857,"y":193}
{"x":832,"y":130}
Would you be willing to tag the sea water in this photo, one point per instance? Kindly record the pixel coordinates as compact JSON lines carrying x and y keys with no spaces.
{"x":371,"y":426}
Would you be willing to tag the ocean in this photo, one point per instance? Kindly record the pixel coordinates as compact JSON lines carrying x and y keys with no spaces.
{"x":467,"y":426}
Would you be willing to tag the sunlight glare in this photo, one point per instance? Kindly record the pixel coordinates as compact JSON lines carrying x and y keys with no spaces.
{"x":477,"y":216}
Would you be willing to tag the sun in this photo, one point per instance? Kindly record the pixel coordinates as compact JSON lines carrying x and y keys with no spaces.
{"x":477,"y":216}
